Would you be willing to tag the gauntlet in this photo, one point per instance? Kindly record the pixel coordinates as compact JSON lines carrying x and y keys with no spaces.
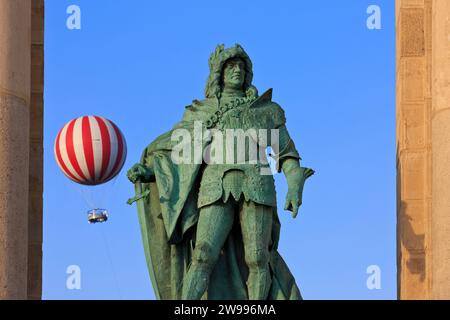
{"x":296,"y":177}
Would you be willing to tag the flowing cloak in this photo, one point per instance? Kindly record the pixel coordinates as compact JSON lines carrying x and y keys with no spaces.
{"x":168,"y":215}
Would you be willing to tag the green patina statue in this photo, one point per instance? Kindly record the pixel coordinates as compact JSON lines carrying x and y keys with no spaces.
{"x":210,"y":227}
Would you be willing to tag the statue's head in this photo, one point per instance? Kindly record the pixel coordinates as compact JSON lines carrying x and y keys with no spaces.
{"x":233,"y":74}
{"x":231,"y":68}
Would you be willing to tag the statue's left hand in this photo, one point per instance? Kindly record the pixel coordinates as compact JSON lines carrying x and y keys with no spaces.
{"x":296,"y":178}
{"x":293,"y":201}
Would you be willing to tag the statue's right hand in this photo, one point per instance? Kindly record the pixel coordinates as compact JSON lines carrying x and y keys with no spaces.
{"x":140,"y":173}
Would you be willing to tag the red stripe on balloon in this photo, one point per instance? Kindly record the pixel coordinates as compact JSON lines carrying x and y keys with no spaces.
{"x":119,"y":151}
{"x":71,"y":150}
{"x":60,"y":160}
{"x":106,"y":145}
{"x":87,"y":147}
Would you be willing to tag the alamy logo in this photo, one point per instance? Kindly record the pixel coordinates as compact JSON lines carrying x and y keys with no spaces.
{"x":374,"y":280}
{"x":374,"y":20}
{"x":73,"y":281}
{"x":73,"y":22}
{"x":230,"y":146}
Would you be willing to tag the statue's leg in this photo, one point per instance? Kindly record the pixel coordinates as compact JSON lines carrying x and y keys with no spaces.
{"x":214,"y":225}
{"x":256,"y":226}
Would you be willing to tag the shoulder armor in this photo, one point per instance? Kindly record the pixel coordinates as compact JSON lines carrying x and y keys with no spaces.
{"x":263,"y":113}
{"x":264,"y":98}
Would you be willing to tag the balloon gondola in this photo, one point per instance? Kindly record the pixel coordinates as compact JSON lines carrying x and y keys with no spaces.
{"x":90,"y":150}
{"x":97,"y":215}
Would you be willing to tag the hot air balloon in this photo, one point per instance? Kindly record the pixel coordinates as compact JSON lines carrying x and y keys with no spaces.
{"x":90,"y":150}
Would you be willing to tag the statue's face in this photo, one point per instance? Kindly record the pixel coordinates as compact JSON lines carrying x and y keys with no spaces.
{"x":234,"y":73}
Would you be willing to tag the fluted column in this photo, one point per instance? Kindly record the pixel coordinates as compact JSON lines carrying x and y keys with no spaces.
{"x":15,"y":26}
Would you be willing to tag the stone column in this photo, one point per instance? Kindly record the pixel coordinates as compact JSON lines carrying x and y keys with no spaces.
{"x":441,"y":150}
{"x":15,"y":26}
{"x":423,"y":148}
{"x":36,"y":152}
{"x":414,"y":147}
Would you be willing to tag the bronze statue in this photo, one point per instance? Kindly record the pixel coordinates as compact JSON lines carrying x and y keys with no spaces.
{"x":210,"y":227}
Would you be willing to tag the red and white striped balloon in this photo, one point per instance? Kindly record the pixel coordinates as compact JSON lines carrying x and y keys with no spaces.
{"x":90,"y":150}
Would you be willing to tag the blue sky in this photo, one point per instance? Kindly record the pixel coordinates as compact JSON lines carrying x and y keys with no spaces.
{"x":140,"y":62}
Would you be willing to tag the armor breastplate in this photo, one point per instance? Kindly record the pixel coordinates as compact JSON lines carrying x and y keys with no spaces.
{"x":226,"y":178}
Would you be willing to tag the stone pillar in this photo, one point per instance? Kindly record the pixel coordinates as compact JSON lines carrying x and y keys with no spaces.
{"x":36,"y":152}
{"x":440,"y":226}
{"x":423,"y":149}
{"x":413,"y":147}
{"x":15,"y":26}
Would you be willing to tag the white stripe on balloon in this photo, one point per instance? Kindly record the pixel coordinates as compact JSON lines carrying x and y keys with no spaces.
{"x":96,"y":146}
{"x":64,"y":155}
{"x":79,"y":148}
{"x":114,"y":148}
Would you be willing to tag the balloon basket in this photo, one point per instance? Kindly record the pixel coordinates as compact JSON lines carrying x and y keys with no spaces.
{"x":97,"y":215}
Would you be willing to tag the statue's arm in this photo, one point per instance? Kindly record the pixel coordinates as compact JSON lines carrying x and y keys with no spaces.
{"x":296,"y":177}
{"x":283,"y":147}
{"x":142,"y":171}
{"x":288,"y":160}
